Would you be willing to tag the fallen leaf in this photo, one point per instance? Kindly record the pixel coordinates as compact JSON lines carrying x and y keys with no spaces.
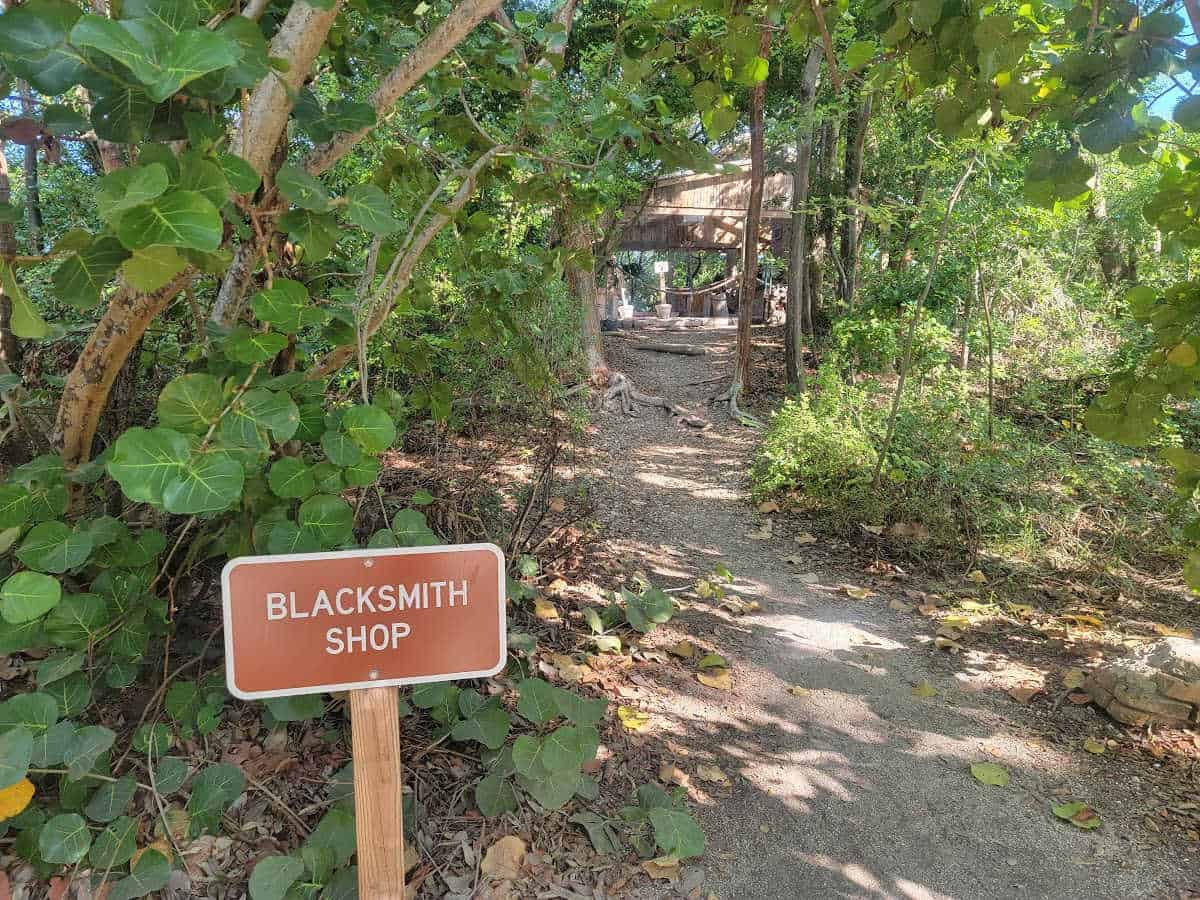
{"x":1023,"y":694}
{"x":1079,"y":698}
{"x":797,"y":690}
{"x":943,"y":643}
{"x":1073,"y":678}
{"x":956,"y":622}
{"x":716,"y":678}
{"x":899,"y":605}
{"x":665,"y":868}
{"x":1078,"y":814}
{"x":504,"y":859}
{"x":15,"y":797}
{"x":557,"y":587}
{"x":633,"y":719}
{"x":557,"y":504}
{"x":924,"y":689}
{"x":546,"y":611}
{"x":871,"y":529}
{"x":712,"y":774}
{"x":751,"y":606}
{"x":1084,"y":621}
{"x":713,"y":660}
{"x":804,"y":538}
{"x":990,"y":773}
{"x":569,"y":670}
{"x":858,"y":593}
{"x":1091,"y":745}
{"x":683,"y":649}
{"x":768,"y":506}
{"x":949,"y":631}
{"x":810,"y":578}
{"x":672,"y":774}
{"x":976,"y":576}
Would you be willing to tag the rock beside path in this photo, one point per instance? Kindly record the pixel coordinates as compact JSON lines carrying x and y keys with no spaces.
{"x":1159,"y":682}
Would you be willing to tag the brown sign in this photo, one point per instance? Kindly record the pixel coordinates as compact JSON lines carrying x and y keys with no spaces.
{"x":304,"y":623}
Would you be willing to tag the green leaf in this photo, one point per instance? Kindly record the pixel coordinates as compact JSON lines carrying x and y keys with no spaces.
{"x":569,"y":747}
{"x":245,"y":345}
{"x":150,"y":873}
{"x":60,"y":120}
{"x":150,"y":268}
{"x":16,"y":749}
{"x":411,"y":530}
{"x":550,"y":789}
{"x":340,"y":449}
{"x":362,"y":473}
{"x":59,"y":665}
{"x":859,"y":54}
{"x":208,"y":482}
{"x":123,"y":115}
{"x":239,"y":173}
{"x":54,"y":547}
{"x":33,"y":28}
{"x":190,"y":403}
{"x":494,"y":795}
{"x":129,"y":187}
{"x":90,"y":741}
{"x":489,"y":725}
{"x":287,"y":306}
{"x":288,"y":537}
{"x":315,"y":232}
{"x":28,"y":595}
{"x":272,"y":410}
{"x":371,"y":429}
{"x":116,"y":844}
{"x":144,"y":461}
{"x":64,"y":839}
{"x":538,"y":702}
{"x":15,"y":506}
{"x":300,"y":708}
{"x":170,"y":774}
{"x":676,"y":833}
{"x":73,"y":694}
{"x":26,"y":321}
{"x":177,"y":218}
{"x":330,"y":518}
{"x":291,"y":478}
{"x":755,"y":70}
{"x":369,"y":208}
{"x":1078,"y":814}
{"x":82,"y":276}
{"x":273,"y":876}
{"x":302,"y":189}
{"x":212,"y":791}
{"x":109,"y":802}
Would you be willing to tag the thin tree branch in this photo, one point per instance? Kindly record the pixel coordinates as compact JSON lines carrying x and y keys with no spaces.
{"x":431,"y":51}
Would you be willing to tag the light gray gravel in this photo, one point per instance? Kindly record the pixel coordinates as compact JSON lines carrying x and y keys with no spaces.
{"x":857,"y":788}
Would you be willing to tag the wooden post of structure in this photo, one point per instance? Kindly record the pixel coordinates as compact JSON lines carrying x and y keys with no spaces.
{"x":378,"y":795}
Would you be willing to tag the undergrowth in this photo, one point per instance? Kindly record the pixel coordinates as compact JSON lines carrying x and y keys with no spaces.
{"x":1040,"y":492}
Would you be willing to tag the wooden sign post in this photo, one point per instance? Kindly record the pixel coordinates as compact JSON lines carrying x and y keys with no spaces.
{"x":365,"y":621}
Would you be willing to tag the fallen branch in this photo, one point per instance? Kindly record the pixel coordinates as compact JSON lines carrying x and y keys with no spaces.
{"x":680,"y":349}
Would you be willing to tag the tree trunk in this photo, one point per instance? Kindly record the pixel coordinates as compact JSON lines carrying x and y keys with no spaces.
{"x":797,"y":253}
{"x":749,"y":279}
{"x":33,"y":202}
{"x":581,"y":282}
{"x":822,"y":239}
{"x":902,"y":256}
{"x":856,"y":135}
{"x":964,"y":326}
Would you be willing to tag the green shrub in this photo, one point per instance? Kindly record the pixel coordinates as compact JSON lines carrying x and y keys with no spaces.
{"x":806,"y":450}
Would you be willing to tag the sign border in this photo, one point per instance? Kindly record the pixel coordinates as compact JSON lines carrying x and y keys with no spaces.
{"x":226,"y":611}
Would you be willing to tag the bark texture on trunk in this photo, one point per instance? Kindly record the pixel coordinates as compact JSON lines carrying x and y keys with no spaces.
{"x":749,"y":282}
{"x":798,"y":252}
{"x":857,"y":126}
{"x":33,"y":200}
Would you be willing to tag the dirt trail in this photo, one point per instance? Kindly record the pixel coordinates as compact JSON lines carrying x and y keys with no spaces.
{"x":857,"y":788}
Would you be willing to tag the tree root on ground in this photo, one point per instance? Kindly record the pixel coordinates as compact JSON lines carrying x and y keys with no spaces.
{"x":611,"y":387}
{"x":735,"y":412}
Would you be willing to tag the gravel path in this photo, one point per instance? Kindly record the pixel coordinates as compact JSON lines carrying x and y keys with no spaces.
{"x":857,"y":787}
